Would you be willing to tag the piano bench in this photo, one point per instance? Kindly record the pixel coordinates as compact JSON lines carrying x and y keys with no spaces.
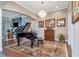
{"x":39,"y":41}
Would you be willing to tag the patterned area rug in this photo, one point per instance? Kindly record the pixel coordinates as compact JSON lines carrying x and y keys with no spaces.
{"x":49,"y":49}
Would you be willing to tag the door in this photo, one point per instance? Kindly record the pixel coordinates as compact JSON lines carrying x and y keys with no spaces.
{"x":49,"y":35}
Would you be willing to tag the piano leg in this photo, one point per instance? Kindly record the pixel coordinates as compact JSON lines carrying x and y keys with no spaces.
{"x":18,"y":41}
{"x":32,"y":44}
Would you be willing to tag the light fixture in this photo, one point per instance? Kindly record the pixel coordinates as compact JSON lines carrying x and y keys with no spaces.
{"x":42,"y":13}
{"x":56,"y":6}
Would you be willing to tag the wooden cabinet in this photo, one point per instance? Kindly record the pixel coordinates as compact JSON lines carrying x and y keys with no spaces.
{"x":49,"y":35}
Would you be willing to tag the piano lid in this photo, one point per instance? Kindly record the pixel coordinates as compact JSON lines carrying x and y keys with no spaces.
{"x":23,"y":28}
{"x":26,"y":28}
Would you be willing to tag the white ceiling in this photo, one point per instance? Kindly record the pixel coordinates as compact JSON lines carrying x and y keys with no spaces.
{"x":35,"y":7}
{"x":48,"y":6}
{"x":10,"y":15}
{"x":2,"y":3}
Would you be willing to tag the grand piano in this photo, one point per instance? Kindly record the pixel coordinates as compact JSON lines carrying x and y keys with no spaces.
{"x":22,"y":31}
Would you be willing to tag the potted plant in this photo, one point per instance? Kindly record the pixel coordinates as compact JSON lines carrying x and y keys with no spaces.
{"x":61,"y":38}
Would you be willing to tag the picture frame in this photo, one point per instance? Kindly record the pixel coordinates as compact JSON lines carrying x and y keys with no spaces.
{"x":50,"y":23}
{"x":41,"y":24}
{"x":75,"y":11}
{"x":61,"y":22}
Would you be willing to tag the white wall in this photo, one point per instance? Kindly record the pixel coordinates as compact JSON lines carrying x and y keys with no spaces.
{"x":73,"y":33}
{"x":57,"y":15}
{"x":35,"y":27}
{"x":0,"y":29}
{"x":70,"y":26}
{"x":76,"y":40}
{"x":6,"y":25}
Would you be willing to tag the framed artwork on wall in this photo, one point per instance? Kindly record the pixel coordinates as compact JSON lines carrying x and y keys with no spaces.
{"x":41,"y":24}
{"x":75,"y":11}
{"x":50,"y":23}
{"x":61,"y":22}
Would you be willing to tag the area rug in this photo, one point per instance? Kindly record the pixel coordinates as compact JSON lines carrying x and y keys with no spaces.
{"x":49,"y":49}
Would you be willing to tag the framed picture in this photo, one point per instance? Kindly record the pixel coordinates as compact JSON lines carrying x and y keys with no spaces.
{"x":61,"y":22}
{"x":41,"y":24}
{"x":75,"y":11}
{"x":50,"y":23}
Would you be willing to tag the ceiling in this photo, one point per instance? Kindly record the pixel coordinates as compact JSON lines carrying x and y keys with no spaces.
{"x":2,"y":3}
{"x":10,"y":15}
{"x":48,"y":6}
{"x":35,"y":7}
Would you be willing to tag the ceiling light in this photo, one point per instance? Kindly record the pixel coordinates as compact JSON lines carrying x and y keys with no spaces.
{"x":56,"y":6}
{"x":42,"y":13}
